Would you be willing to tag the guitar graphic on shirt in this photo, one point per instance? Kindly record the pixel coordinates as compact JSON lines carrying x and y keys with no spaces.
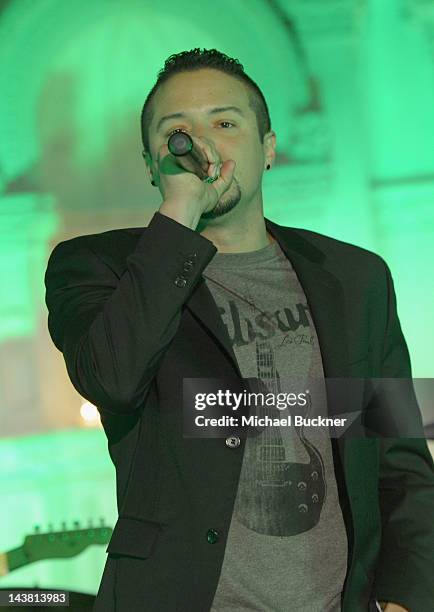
{"x":276,"y":496}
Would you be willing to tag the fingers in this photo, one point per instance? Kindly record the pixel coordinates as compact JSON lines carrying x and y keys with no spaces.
{"x":225,"y":178}
{"x":214,"y":170}
{"x":227,"y":170}
{"x":209,"y":151}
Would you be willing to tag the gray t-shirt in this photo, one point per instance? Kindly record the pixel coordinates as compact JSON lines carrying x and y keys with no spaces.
{"x":287,"y":545}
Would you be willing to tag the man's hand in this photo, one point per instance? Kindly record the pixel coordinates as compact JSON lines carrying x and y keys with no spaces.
{"x":392,"y":607}
{"x":185,"y":194}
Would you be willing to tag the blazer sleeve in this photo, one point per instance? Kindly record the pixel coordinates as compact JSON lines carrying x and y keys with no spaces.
{"x":405,"y":570}
{"x":114,"y":331}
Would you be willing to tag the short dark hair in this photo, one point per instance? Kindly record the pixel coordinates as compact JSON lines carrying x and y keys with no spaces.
{"x":195,"y":59}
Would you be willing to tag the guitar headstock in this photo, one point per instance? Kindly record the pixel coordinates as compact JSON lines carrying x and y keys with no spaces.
{"x":65,"y":542}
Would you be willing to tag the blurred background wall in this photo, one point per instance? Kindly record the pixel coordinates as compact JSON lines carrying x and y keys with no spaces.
{"x":350,"y":88}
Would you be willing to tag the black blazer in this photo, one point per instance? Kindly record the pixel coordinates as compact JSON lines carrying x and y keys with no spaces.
{"x":133,"y":316}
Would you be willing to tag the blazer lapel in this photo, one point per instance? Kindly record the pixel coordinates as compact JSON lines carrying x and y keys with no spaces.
{"x":325,"y":298}
{"x":203,"y":307}
{"x":324,"y":295}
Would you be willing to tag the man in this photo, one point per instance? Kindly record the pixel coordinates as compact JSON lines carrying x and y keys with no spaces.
{"x":211,"y":289}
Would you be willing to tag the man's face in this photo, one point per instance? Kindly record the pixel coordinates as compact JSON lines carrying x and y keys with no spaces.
{"x":234,"y":134}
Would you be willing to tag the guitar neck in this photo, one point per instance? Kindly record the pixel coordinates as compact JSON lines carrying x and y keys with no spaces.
{"x":266,"y":368}
{"x":53,"y":545}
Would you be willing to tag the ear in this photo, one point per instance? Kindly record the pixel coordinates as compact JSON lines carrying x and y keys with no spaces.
{"x":148,"y":163}
{"x":269,"y":145}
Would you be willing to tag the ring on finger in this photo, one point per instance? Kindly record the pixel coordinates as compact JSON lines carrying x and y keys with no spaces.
{"x":211,"y":179}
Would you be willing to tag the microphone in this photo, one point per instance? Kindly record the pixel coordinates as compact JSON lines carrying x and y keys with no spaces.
{"x":181,"y":145}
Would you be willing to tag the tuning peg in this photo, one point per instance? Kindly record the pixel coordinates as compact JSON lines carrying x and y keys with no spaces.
{"x":77,"y":524}
{"x":64,"y":525}
{"x":102,"y":521}
{"x":37,"y":529}
{"x":50,"y":526}
{"x":90,"y":523}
